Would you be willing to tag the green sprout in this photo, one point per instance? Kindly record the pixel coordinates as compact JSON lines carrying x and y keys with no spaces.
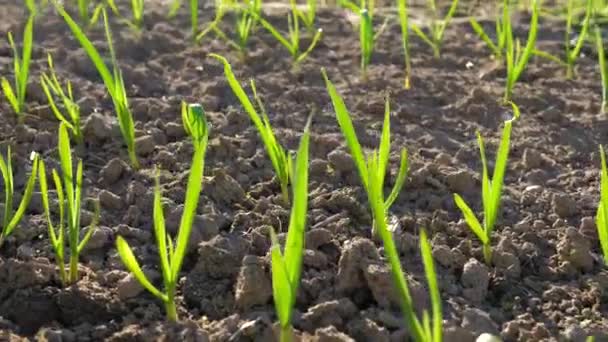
{"x":69,"y":192}
{"x":515,"y":59}
{"x":292,"y":41}
{"x":278,"y":155}
{"x":403,"y":21}
{"x":601,"y":218}
{"x":372,"y":171}
{"x":603,"y":68}
{"x":435,"y":37}
{"x":308,"y":17}
{"x":176,"y":4}
{"x":52,"y":88}
{"x":245,"y":24}
{"x":287,"y":266}
{"x":503,"y":27}
{"x":491,"y":190}
{"x":572,"y":48}
{"x":172,"y":253}
{"x":113,"y":81}
{"x":367,"y":37}
{"x":87,"y":18}
{"x":12,"y":218}
{"x":21,"y":69}
{"x":382,"y":155}
{"x":137,"y":11}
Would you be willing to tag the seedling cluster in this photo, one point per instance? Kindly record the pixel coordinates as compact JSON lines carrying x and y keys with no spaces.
{"x":291,"y":169}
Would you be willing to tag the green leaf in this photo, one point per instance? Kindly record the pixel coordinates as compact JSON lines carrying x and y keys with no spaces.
{"x":92,"y":227}
{"x":602,"y":210}
{"x":277,"y":35}
{"x":431,"y":278}
{"x":25,"y":200}
{"x":422,"y":35}
{"x":281,"y":285}
{"x":193,"y":190}
{"x":484,"y":37}
{"x":385,"y":143}
{"x":401,"y":177}
{"x":26,"y":58}
{"x":127,"y":257}
{"x":347,"y":128}
{"x":10,"y":95}
{"x":502,"y":155}
{"x":294,"y":246}
{"x":160,"y":232}
{"x":471,"y":219}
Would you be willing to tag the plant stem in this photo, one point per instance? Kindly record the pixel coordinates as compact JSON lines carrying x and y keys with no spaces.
{"x":286,"y":334}
{"x":73,"y":267}
{"x":487,"y":254}
{"x":133,"y":158}
{"x":285,"y":193}
{"x":569,"y":71}
{"x":171,"y":309}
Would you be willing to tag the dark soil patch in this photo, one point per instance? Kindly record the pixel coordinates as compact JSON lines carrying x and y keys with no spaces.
{"x":548,"y":281}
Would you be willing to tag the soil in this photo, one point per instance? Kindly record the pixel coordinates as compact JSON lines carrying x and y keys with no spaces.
{"x":548,"y":281}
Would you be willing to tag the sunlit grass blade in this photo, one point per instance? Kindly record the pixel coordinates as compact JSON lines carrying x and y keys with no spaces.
{"x":287,"y":267}
{"x":404,"y":22}
{"x":431,"y":277}
{"x":16,"y":93}
{"x":602,"y":210}
{"x":11,"y":219}
{"x":601,"y":56}
{"x":437,"y":27}
{"x":276,"y":153}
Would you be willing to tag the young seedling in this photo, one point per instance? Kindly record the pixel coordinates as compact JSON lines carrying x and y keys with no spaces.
{"x":603,"y":68}
{"x":113,"y":81}
{"x":308,"y":16}
{"x":244,"y":26}
{"x":12,"y":218}
{"x":572,"y":46}
{"x":176,"y":4}
{"x":515,"y":59}
{"x":52,"y":88}
{"x":403,"y":21}
{"x":382,"y":154}
{"x":21,"y":68}
{"x":172,"y":253}
{"x":279,"y":157}
{"x":137,"y":10}
{"x":292,"y":41}
{"x":372,"y":171}
{"x":287,"y":266}
{"x":367,"y":37}
{"x":69,"y":191}
{"x":491,"y":190}
{"x":435,"y":37}
{"x":601,"y":219}
{"x":503,"y":27}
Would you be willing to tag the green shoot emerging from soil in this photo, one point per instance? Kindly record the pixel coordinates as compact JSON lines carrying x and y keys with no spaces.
{"x":405,"y":33}
{"x":113,"y":81}
{"x":491,"y":190}
{"x":21,"y":70}
{"x":308,"y":16}
{"x":601,"y":56}
{"x":503,"y":27}
{"x":69,"y":192}
{"x":176,"y":4}
{"x":245,"y":24}
{"x":137,"y":11}
{"x":52,"y":88}
{"x":287,"y":266}
{"x":380,"y":156}
{"x":11,"y":219}
{"x":572,"y":47}
{"x":601,"y":219}
{"x":172,"y":253}
{"x":515,"y":59}
{"x":367,"y":37}
{"x":292,"y":41}
{"x":279,"y":158}
{"x":435,"y":37}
